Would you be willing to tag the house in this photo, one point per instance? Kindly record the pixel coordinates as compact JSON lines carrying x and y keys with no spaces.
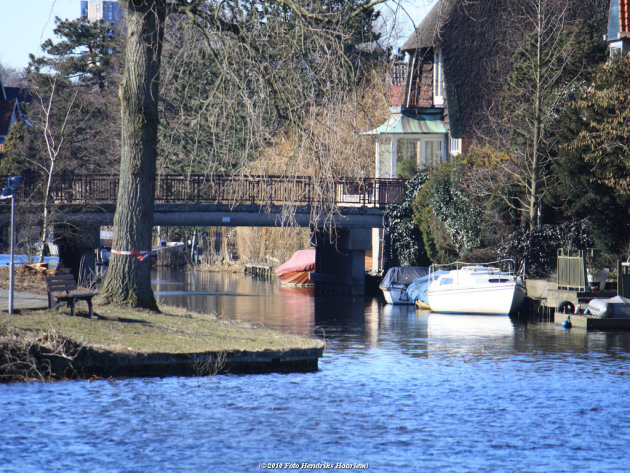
{"x":618,"y":35}
{"x":443,"y":93}
{"x":10,"y":110}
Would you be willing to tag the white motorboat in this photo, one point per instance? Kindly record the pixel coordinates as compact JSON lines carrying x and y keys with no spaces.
{"x":396,"y":281}
{"x":475,"y":289}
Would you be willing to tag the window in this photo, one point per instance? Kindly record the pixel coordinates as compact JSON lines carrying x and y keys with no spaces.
{"x":615,"y":51}
{"x":408,"y":149}
{"x":438,"y":80}
{"x":432,"y":154}
{"x":455,"y":146}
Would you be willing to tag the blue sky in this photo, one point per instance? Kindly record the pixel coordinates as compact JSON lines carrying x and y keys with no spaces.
{"x":26,"y":24}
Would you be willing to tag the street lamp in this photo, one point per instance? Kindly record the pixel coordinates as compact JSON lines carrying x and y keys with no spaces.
{"x":9,"y":193}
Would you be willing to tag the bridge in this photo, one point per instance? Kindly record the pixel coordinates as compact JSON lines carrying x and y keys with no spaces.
{"x":350,"y":206}
{"x":227,"y":200}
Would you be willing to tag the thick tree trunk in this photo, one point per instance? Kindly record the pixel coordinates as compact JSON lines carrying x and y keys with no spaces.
{"x":129,"y":278}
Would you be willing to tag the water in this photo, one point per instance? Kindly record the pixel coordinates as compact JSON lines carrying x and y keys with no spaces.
{"x":397,"y":390}
{"x":5,"y":260}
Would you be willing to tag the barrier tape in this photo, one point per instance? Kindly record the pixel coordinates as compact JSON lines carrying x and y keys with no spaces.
{"x":141,"y":254}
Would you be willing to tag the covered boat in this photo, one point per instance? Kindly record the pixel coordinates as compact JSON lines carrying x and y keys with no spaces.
{"x":396,"y":281}
{"x":417,"y":290}
{"x":297,"y":270}
{"x":617,"y":307}
{"x":475,"y":289}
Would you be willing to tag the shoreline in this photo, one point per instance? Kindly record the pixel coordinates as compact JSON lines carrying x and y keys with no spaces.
{"x":48,"y":344}
{"x":119,"y":342}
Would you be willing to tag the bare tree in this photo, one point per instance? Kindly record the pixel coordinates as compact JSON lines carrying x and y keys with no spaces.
{"x":55,"y":135}
{"x":546,"y":65}
{"x":319,"y":37}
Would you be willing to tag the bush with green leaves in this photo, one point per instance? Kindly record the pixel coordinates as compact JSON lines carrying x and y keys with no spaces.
{"x":405,"y":244}
{"x":449,"y":220}
{"x":538,"y":247}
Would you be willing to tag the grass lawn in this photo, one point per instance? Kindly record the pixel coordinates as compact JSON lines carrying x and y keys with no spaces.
{"x":121,"y":329}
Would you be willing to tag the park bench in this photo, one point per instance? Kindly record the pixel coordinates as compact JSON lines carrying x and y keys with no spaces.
{"x":61,"y":289}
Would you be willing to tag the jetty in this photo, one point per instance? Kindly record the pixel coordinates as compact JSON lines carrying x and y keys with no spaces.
{"x":563,"y":299}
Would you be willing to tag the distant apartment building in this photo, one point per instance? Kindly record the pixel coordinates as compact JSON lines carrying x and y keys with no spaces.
{"x":108,"y":11}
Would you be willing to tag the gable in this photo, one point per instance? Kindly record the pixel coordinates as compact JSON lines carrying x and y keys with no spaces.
{"x":7,"y":115}
{"x":476,"y":39}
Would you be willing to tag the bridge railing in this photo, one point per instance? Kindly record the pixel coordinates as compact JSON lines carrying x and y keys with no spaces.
{"x":258,"y":189}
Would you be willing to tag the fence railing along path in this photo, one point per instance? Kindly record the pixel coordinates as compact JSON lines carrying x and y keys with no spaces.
{"x":227,"y":189}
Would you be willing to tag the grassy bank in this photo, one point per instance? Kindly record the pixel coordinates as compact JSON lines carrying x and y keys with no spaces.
{"x":118,"y":341}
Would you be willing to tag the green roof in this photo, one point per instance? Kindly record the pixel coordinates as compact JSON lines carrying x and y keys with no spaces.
{"x":405,"y":123}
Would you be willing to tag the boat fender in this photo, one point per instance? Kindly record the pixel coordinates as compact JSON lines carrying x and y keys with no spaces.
{"x":566,"y":307}
{"x":567,"y":323}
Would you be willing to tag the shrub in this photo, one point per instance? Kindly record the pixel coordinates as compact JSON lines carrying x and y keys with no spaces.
{"x":405,"y":246}
{"x":538,"y":247}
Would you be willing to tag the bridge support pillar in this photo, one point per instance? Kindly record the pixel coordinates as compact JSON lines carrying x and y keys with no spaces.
{"x":340,"y":261}
{"x":77,"y":249}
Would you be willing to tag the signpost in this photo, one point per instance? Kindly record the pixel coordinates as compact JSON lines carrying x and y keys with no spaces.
{"x":9,"y":192}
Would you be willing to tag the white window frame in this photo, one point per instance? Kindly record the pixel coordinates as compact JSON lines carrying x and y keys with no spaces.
{"x":438,"y":79}
{"x":438,"y":141}
{"x":455,"y":146}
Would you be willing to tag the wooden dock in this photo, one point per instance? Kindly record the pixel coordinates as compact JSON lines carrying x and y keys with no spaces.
{"x":262,"y":271}
{"x":546,"y":297}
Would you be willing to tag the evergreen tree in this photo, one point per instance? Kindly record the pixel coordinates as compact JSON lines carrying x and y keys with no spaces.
{"x":547,"y":66}
{"x":594,"y":164}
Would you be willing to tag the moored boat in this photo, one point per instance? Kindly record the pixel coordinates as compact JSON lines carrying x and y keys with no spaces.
{"x":475,"y":289}
{"x":617,"y":307}
{"x":417,"y":290}
{"x":296,"y":271}
{"x":396,"y":281}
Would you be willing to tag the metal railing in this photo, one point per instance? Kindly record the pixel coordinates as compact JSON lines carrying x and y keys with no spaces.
{"x":228,"y":189}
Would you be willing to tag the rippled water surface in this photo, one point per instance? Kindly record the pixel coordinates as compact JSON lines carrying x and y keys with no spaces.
{"x":397,"y":390}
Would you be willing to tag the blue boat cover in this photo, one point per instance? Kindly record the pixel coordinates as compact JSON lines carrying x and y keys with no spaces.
{"x":417,"y":290}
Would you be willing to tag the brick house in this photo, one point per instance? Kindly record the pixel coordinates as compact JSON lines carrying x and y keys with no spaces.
{"x":444,"y":91}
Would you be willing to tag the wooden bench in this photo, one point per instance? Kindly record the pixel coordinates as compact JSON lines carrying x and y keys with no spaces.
{"x":61,"y":289}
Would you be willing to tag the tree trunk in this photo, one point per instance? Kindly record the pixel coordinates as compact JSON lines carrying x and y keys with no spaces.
{"x":129,"y":278}
{"x":535,"y":170}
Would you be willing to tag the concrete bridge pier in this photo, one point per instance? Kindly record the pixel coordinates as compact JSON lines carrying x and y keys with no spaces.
{"x":340,"y":261}
{"x":77,"y":249}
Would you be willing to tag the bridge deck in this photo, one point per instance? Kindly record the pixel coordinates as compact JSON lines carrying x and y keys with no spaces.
{"x":227,"y":189}
{"x":229,"y":201}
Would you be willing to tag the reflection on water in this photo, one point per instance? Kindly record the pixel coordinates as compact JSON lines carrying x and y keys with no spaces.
{"x":237,"y":296}
{"x":397,"y":389}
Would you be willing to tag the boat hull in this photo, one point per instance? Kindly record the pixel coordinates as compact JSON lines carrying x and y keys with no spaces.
{"x":492,"y":299}
{"x":396,"y":295}
{"x":297,"y":278}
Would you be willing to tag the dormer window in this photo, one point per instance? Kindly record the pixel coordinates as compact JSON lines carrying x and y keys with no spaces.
{"x":438,"y":80}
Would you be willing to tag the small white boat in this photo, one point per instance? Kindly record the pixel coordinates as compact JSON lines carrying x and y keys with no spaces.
{"x":617,"y":307}
{"x":475,"y":289}
{"x":396,"y":281}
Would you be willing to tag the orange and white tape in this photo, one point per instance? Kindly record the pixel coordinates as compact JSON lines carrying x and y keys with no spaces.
{"x":140,"y":254}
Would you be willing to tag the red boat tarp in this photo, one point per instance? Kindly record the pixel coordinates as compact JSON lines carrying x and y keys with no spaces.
{"x":302,"y":260}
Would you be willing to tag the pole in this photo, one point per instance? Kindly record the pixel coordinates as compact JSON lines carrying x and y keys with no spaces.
{"x":12,"y":254}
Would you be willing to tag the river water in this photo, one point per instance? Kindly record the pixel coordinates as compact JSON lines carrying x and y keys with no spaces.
{"x":397,"y":390}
